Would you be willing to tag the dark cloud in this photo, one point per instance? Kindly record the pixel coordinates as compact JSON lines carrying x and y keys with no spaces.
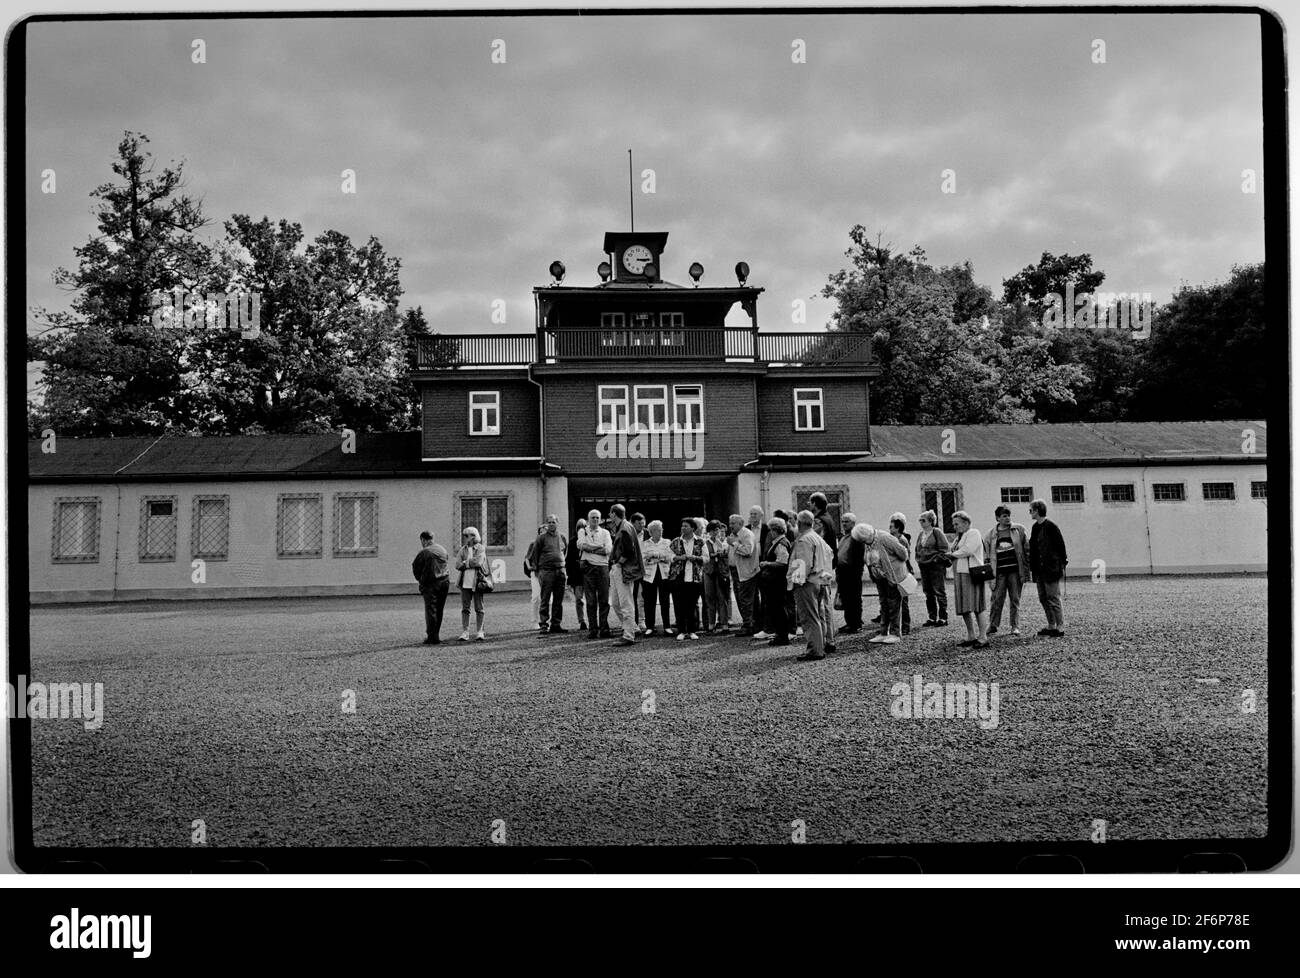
{"x":476,"y":175}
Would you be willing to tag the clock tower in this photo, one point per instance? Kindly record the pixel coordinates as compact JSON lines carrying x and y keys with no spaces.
{"x":636,"y":256}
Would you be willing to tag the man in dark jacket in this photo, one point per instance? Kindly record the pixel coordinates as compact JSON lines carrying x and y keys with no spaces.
{"x":430,"y":570}
{"x":850,"y":559}
{"x":625,"y":568}
{"x":548,"y":559}
{"x":1047,"y":562}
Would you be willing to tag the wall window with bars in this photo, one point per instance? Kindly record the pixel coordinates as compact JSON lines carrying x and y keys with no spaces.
{"x":157,"y":529}
{"x":688,"y":407}
{"x":1168,"y":492}
{"x":210,"y":527}
{"x":1218,"y":490}
{"x":1259,"y":490}
{"x":491,"y":515}
{"x":945,"y":499}
{"x":1067,"y":494}
{"x":651,"y":408}
{"x":298,"y":524}
{"x":1118,"y":492}
{"x":356,"y":524}
{"x":1017,"y":494}
{"x":808,"y":413}
{"x":837,"y":500}
{"x":611,"y":409}
{"x":76,"y":530}
{"x":485,"y":412}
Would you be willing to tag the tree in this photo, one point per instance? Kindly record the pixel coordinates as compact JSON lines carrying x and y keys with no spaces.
{"x":937,"y":334}
{"x":1052,"y":275}
{"x":106,"y":368}
{"x":330,"y":353}
{"x":1208,"y":356}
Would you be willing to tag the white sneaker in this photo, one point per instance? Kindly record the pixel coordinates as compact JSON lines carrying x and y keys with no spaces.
{"x":889,"y":640}
{"x":761,"y":636}
{"x":877,"y":640}
{"x":669,"y":631}
{"x":694,"y":637}
{"x":1015,"y":631}
{"x":464,"y":636}
{"x":681,"y":637}
{"x":798,"y":633}
{"x":480,"y":636}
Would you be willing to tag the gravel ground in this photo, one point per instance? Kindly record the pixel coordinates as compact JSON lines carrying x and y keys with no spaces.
{"x":232,"y":712}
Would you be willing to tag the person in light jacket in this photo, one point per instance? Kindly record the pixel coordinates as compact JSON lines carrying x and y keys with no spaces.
{"x":657,"y":552}
{"x":889,"y":557}
{"x":471,"y":561}
{"x":1007,"y":548}
{"x":969,"y":596}
{"x":803,"y":580}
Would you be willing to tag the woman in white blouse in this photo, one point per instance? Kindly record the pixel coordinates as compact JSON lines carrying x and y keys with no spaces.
{"x":657,"y":553}
{"x":969,"y":596}
{"x":471,"y":562}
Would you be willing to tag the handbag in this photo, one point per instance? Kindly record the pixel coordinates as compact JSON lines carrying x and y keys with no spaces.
{"x":483,"y":583}
{"x":979,"y":573}
{"x":908,"y":585}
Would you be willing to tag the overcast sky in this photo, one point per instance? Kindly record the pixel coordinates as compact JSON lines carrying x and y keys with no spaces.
{"x":476,"y":175}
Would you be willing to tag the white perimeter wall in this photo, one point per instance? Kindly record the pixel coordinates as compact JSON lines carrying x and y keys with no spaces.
{"x":1141,"y":537}
{"x":405,"y":507}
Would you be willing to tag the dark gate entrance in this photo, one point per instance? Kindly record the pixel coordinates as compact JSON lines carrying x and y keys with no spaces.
{"x":657,"y":499}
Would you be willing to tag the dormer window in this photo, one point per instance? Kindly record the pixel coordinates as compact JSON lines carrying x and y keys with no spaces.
{"x":485,"y":412}
{"x":808,"y":414}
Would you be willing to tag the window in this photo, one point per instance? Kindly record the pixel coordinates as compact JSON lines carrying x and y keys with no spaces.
{"x":1118,"y":492}
{"x":76,"y":530}
{"x":210,"y":527}
{"x":356,"y":524}
{"x":485,"y":412}
{"x":945,"y":499}
{"x":490,"y":515}
{"x":643,"y":329}
{"x":298,"y":525}
{"x":1067,"y":494}
{"x":837,"y":500}
{"x":1218,"y":490}
{"x":1017,"y":494}
{"x":158,"y":528}
{"x":671,"y":332}
{"x":688,"y":407}
{"x":1168,"y":492}
{"x":651,"y":408}
{"x":808,"y":409}
{"x":612,"y":410}
{"x":613,"y":332}
{"x":1259,"y":490}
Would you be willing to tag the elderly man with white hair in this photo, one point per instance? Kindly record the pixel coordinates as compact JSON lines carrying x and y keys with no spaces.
{"x":804,"y":579}
{"x":891,"y":558}
{"x":594,"y":546}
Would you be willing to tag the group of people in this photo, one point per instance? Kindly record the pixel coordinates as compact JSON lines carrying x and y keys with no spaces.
{"x":789,"y":574}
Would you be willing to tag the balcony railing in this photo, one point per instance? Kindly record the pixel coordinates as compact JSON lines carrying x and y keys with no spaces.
{"x":724,"y":344}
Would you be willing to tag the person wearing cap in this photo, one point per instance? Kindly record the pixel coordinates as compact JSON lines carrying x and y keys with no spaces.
{"x":430,"y":570}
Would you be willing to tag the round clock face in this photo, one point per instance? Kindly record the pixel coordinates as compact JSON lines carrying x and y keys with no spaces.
{"x":636,"y":257}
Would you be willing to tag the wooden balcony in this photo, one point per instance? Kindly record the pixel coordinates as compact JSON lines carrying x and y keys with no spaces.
{"x":725,"y":345}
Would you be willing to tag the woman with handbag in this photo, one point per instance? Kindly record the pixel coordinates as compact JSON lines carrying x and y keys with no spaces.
{"x":687,"y":580}
{"x":932,"y":557}
{"x":772,"y":568}
{"x":971,"y":574}
{"x":475,"y":580}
